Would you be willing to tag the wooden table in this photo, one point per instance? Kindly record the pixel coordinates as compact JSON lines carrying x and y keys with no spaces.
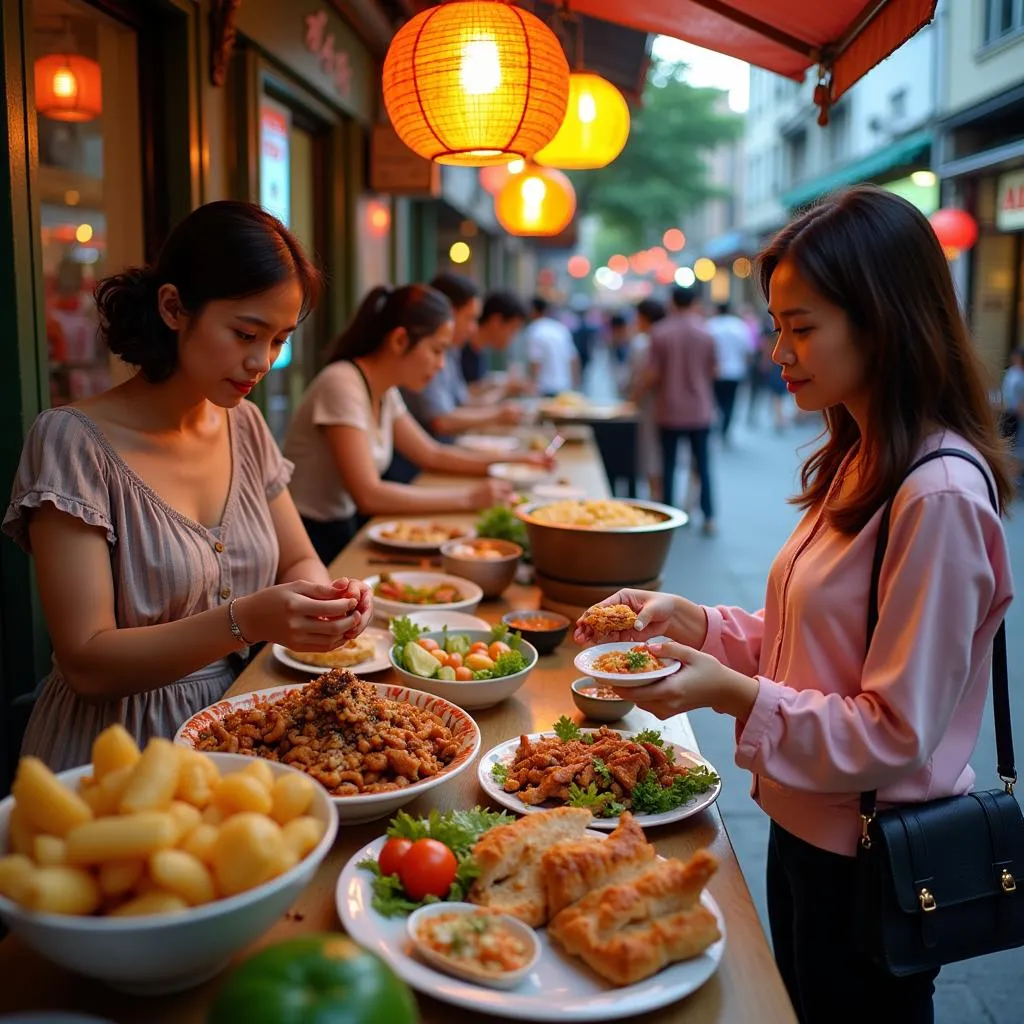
{"x":746,"y":988}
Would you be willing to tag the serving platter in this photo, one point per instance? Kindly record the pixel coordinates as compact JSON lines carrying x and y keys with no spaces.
{"x":382,"y":641}
{"x":504,"y":753}
{"x":560,"y":987}
{"x":377,"y":533}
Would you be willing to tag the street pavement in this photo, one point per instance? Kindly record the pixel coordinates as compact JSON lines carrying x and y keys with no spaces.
{"x":752,"y":479}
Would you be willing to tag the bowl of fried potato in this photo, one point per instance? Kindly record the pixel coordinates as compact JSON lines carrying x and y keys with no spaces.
{"x":150,"y":870}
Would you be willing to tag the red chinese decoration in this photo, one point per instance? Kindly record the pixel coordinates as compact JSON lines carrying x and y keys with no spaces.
{"x":955,"y":229}
{"x":321,"y":44}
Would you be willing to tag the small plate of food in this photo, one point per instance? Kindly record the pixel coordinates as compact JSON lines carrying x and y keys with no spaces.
{"x":367,"y":653}
{"x":499,"y":444}
{"x":625,"y":664}
{"x":416,"y":535}
{"x":398,"y":593}
{"x":522,"y":475}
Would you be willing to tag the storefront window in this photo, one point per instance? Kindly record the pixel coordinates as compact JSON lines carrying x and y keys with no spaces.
{"x":90,"y":182}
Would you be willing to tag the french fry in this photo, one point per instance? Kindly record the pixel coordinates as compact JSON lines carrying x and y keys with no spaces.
{"x":186,"y":817}
{"x":213,"y":815}
{"x":114,"y":748}
{"x":259,"y":769}
{"x":193,"y":785}
{"x":248,"y":853}
{"x":48,"y":805}
{"x":241,"y":792}
{"x":154,"y":779}
{"x":120,"y":877}
{"x":121,"y":838}
{"x":302,"y":834}
{"x":291,"y":796}
{"x":61,"y":890}
{"x":181,"y":873}
{"x":201,"y":842}
{"x":157,"y":901}
{"x":23,"y":835}
{"x":104,"y":797}
{"x":15,"y":871}
{"x":50,"y":851}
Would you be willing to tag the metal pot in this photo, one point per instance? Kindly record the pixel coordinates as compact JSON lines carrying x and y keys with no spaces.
{"x":616,"y":557}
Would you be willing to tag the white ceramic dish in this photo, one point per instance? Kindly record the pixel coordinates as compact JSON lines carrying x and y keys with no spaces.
{"x":164,"y":953}
{"x":504,"y":753}
{"x":518,"y":474}
{"x":453,"y":620}
{"x":378,"y":663}
{"x":559,"y":492}
{"x":376,"y":533}
{"x":599,"y":709}
{"x":363,"y":807}
{"x":507,"y":980}
{"x":477,"y":693}
{"x":559,"y":988}
{"x":386,"y":609}
{"x":497,"y":443}
{"x":584,"y":661}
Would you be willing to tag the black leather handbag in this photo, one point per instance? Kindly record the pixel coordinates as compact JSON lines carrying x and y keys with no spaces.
{"x":944,"y":880}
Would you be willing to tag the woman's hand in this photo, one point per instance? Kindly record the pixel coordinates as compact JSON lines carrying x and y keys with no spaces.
{"x":304,"y":616}
{"x":657,"y":614}
{"x":489,"y":492}
{"x":541,"y":459}
{"x":362,"y":594}
{"x":701,"y":682}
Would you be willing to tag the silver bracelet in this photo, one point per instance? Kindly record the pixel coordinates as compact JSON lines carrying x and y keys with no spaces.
{"x":235,"y":631}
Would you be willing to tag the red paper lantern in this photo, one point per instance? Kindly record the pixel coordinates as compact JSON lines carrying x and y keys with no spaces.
{"x":955,"y":229}
{"x":68,"y":87}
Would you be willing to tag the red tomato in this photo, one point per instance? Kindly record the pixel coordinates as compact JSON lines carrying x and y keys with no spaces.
{"x":479,"y":646}
{"x":392,"y":855}
{"x":463,"y":674}
{"x":455,"y":660}
{"x":442,"y":656}
{"x":427,"y":869}
{"x":427,"y":644}
{"x":497,"y":648}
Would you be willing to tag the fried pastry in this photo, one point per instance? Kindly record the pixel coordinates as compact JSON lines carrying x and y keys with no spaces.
{"x":626,"y":932}
{"x":571,"y":870}
{"x":509,"y":858}
{"x":609,"y":618}
{"x":355,"y":652}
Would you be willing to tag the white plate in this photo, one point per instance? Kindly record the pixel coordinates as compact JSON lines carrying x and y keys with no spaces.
{"x":376,"y":533}
{"x":500,"y":444}
{"x":518,"y":474}
{"x":385,"y":608}
{"x":453,"y":620}
{"x":561,"y":987}
{"x":363,"y":807}
{"x":504,"y":753}
{"x":584,"y":661}
{"x":382,"y":641}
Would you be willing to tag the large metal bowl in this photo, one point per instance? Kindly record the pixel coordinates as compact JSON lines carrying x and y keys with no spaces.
{"x":616,"y":557}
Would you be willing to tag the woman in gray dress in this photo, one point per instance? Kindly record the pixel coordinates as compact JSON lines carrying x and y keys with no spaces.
{"x":158,"y":513}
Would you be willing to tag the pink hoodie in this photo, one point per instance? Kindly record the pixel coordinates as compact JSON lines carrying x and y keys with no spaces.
{"x":828,"y":722}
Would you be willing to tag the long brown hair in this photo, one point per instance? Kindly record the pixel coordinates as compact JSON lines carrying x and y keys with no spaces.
{"x":876,"y":257}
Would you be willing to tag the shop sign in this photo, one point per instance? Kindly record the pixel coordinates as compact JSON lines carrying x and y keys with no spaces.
{"x":275,"y":178}
{"x":321,"y":43}
{"x":1010,"y":202}
{"x":397,"y":170}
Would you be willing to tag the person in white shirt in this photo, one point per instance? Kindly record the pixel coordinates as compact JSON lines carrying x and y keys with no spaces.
{"x":552,"y":356}
{"x":648,"y":313}
{"x":1012,"y":395}
{"x":732,"y":347}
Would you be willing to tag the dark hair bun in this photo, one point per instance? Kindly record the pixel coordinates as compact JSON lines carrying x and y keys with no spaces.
{"x":131,"y":325}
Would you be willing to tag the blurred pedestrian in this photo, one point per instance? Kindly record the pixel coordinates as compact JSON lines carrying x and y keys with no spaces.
{"x":553,"y":360}
{"x":1012,"y":413}
{"x":732,"y":348}
{"x":648,"y":313}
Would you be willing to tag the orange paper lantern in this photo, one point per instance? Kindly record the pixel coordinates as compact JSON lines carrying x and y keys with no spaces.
{"x":475,"y":82}
{"x":68,"y":87}
{"x":540,"y":201}
{"x":595,"y":128}
{"x":494,"y":178}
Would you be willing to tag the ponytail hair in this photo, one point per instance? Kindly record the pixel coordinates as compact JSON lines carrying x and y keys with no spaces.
{"x":418,"y":309}
{"x":222,"y":250}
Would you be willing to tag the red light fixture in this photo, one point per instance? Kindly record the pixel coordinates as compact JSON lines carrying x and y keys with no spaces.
{"x":955,"y":229}
{"x":68,"y":87}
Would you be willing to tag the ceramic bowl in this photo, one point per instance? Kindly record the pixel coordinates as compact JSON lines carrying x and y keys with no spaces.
{"x":600,"y":709}
{"x":541,"y":634}
{"x":492,"y":575}
{"x":386,"y":608}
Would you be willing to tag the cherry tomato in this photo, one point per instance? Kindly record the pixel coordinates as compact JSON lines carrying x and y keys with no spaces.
{"x":463,"y":674}
{"x":478,"y":662}
{"x":427,"y":869}
{"x":427,"y":644}
{"x":442,"y":656}
{"x":497,"y":648}
{"x":446,"y":595}
{"x":392,"y":855}
{"x":455,"y":659}
{"x":479,"y":647}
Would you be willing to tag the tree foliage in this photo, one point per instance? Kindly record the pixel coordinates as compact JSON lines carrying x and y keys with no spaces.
{"x":661,"y":174}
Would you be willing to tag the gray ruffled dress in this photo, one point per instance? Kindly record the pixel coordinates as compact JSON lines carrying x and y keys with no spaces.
{"x":165,"y":566}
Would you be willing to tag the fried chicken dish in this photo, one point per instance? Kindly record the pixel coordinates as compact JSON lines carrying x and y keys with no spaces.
{"x":609,"y":618}
{"x":340,"y":731}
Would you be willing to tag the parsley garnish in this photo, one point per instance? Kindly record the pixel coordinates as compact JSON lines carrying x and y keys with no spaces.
{"x":405,"y":631}
{"x":650,"y":797}
{"x":499,"y":772}
{"x":601,"y":805}
{"x":601,"y":769}
{"x":566,"y":729}
{"x":636,"y":659}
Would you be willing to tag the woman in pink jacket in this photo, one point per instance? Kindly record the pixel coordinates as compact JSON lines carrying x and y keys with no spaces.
{"x":870,"y":334}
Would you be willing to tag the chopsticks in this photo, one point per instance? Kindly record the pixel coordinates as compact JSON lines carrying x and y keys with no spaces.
{"x":556,"y":442}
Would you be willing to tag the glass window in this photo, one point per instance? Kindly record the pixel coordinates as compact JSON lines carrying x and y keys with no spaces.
{"x":90,"y":182}
{"x":1002,"y":17}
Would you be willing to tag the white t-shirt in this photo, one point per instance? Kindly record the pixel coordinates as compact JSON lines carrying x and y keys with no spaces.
{"x":549,"y":344}
{"x":732,"y":345}
{"x":336,"y":397}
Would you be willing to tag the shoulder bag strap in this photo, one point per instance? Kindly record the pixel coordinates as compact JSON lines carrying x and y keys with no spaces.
{"x":1000,"y":672}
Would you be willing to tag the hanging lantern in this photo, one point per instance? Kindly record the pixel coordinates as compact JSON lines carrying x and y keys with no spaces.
{"x":595,"y":128}
{"x":578,"y":266}
{"x":955,"y":229}
{"x":475,"y":82}
{"x":540,"y":201}
{"x":68,"y":87}
{"x":494,"y":178}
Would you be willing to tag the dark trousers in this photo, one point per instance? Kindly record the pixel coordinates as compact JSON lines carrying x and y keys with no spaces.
{"x":725,"y":399}
{"x":812,"y":897}
{"x":330,"y":537}
{"x":698,"y":438}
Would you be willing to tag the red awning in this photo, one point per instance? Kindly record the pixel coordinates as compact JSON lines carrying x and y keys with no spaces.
{"x":847,"y":37}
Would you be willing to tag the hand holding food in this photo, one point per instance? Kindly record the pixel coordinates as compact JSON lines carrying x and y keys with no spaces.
{"x":489,"y":492}
{"x":301,"y":615}
{"x":511,"y":414}
{"x":628,"y":615}
{"x":359,"y":591}
{"x":151,"y":832}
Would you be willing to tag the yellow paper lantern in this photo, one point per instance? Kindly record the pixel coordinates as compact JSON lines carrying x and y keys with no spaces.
{"x":595,"y":128}
{"x":540,"y":201}
{"x":475,"y":82}
{"x":68,"y":87}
